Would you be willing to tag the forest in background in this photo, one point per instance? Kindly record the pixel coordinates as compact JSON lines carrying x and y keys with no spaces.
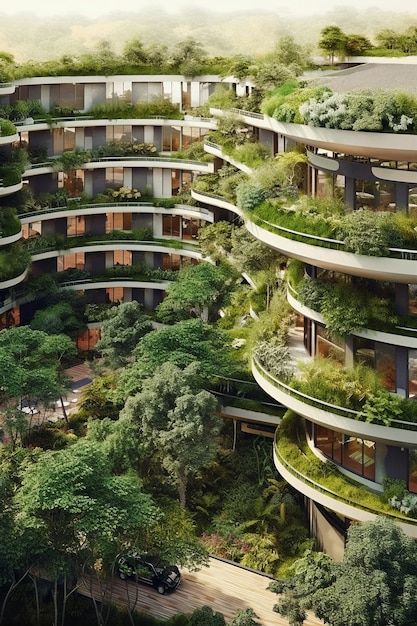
{"x":29,"y":37}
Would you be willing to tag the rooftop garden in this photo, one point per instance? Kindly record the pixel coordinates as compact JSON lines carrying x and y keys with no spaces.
{"x":364,"y":110}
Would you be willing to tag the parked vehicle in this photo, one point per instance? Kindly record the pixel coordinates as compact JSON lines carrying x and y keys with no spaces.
{"x":148,"y":569}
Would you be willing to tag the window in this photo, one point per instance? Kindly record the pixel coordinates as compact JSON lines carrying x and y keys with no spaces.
{"x":353,"y":453}
{"x":412,"y":471}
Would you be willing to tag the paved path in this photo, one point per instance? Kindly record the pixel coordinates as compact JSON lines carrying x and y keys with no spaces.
{"x":224,"y":587}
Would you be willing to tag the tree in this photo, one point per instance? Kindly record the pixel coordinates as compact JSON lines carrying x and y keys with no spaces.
{"x":388,"y":38}
{"x":215,"y":240}
{"x":134,"y":52}
{"x":178,"y":421}
{"x":332,"y":41}
{"x":206,"y":617}
{"x":244,"y":617}
{"x":374,"y":585}
{"x":31,"y":371}
{"x":121,"y":331}
{"x":355,"y":45}
{"x":188,"y":57}
{"x":250,"y":254}
{"x":200,"y":291}
{"x":81,"y":513}
{"x":56,"y":319}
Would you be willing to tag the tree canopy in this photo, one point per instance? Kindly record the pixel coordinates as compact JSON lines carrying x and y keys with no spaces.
{"x":374,"y":585}
{"x":200,"y":291}
{"x":177,"y":420}
{"x":181,"y":344}
{"x":121,"y":331}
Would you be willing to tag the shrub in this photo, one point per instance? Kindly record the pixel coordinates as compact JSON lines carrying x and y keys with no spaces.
{"x":249,"y":196}
{"x":7,"y":128}
{"x":275,"y":358}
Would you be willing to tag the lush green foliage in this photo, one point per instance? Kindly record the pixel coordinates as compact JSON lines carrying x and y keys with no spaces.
{"x":121,"y":331}
{"x":374,"y":585}
{"x":199,"y":291}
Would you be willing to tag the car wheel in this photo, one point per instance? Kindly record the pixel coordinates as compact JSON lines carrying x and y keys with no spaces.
{"x":160,"y":589}
{"x":122,"y":575}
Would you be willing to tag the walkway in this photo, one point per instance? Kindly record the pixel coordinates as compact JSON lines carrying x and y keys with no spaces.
{"x":222,"y":586}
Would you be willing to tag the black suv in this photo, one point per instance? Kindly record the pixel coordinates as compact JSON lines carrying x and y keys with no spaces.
{"x":150,"y":570}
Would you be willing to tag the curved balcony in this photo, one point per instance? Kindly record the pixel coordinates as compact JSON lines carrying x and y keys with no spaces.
{"x":216,"y":150}
{"x":5,"y":241}
{"x":116,"y":207}
{"x":347,"y":507}
{"x":87,"y":284}
{"x":6,"y":89}
{"x":186,"y":250}
{"x":334,"y":258}
{"x":8,"y":190}
{"x":83,"y":121}
{"x":5,"y":140}
{"x":321,"y":252}
{"x":382,"y":146}
{"x":337,"y":418}
{"x":133,"y":162}
{"x":216,"y":201}
{"x":406,"y":337}
{"x":16,"y":280}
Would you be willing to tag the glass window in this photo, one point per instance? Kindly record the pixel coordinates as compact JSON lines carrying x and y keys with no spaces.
{"x":114,"y":177}
{"x":171,"y":225}
{"x":329,"y":346}
{"x":353,"y":453}
{"x":412,"y":299}
{"x":75,"y":225}
{"x":385,"y":364}
{"x":122,"y":257}
{"x":412,"y":471}
{"x":412,"y":373}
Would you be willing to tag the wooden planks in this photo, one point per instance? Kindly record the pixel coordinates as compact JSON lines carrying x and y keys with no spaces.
{"x":223,"y":586}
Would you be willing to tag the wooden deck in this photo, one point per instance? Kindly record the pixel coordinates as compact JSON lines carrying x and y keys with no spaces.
{"x":223,"y":586}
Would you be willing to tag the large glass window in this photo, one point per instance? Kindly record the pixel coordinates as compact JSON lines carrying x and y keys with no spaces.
{"x":63,"y":139}
{"x":114,"y":177}
{"x":353,"y":453}
{"x":329,"y":346}
{"x":171,"y":225}
{"x":118,"y":221}
{"x":72,"y":260}
{"x":75,"y":225}
{"x":385,"y":364}
{"x":119,"y":90}
{"x":122,"y":257}
{"x":119,"y":133}
{"x":412,"y":299}
{"x":412,"y":471}
{"x":412,"y":373}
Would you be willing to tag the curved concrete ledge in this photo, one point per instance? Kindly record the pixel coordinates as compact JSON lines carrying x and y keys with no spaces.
{"x":342,"y":508}
{"x":367,"y":333}
{"x":8,"y":139}
{"x":12,"y":282}
{"x":116,"y":282}
{"x":7,"y":191}
{"x":109,"y":247}
{"x":5,"y":241}
{"x":378,"y":268}
{"x":342,"y":424}
{"x":131,"y":207}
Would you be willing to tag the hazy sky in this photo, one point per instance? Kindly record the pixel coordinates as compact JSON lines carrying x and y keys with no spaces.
{"x":92,"y":8}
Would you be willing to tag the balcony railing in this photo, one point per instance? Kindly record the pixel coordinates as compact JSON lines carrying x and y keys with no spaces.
{"x":338,"y":495}
{"x":321,"y":404}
